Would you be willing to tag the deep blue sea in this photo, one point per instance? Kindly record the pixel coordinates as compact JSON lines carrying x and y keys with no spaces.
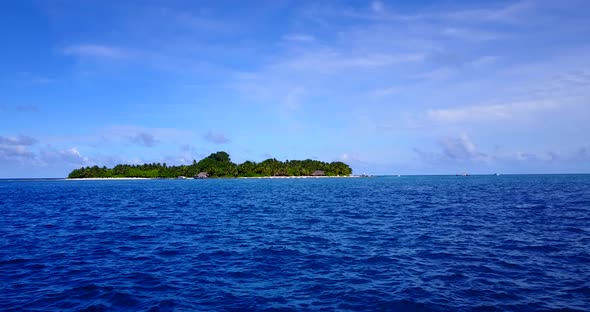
{"x":410,"y":243}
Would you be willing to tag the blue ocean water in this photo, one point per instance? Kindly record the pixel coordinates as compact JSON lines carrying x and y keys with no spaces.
{"x":415,"y":243}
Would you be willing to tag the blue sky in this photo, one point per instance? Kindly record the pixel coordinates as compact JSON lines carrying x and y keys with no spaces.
{"x":401,"y":87}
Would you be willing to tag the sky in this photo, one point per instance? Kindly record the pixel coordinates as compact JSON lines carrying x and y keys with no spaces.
{"x":389,"y":87}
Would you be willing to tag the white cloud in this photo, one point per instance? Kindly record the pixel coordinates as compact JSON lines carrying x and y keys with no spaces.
{"x":145,"y":139}
{"x":16,"y":148}
{"x":21,"y":140}
{"x":299,"y":38}
{"x":483,"y":61}
{"x":50,"y":156}
{"x":145,"y":136}
{"x":333,"y":60}
{"x":216,"y":138}
{"x":386,"y":91}
{"x":21,"y":150}
{"x":292,"y":100}
{"x":95,"y":50}
{"x":438,"y":74}
{"x":351,"y":157}
{"x":489,"y":112}
{"x":508,"y":13}
{"x":14,"y":152}
{"x":460,"y":148}
{"x":377,"y":6}
{"x":26,"y":108}
{"x":469,"y":34}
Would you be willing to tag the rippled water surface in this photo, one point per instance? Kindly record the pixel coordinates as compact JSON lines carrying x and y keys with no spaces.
{"x":514,"y":243}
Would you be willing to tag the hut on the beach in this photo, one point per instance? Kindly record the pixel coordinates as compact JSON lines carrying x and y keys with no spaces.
{"x":202,"y":175}
{"x":318,"y":173}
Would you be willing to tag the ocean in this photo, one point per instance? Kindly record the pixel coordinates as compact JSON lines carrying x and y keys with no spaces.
{"x":409,"y":243}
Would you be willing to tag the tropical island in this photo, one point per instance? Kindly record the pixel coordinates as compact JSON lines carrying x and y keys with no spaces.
{"x":218,"y":165}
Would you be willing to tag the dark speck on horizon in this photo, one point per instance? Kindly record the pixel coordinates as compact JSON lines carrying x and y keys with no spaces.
{"x":410,"y":243}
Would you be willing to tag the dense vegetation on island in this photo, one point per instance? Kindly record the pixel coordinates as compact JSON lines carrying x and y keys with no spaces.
{"x":216,"y":165}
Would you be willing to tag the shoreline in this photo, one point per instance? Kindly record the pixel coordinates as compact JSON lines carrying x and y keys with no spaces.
{"x":269,"y":177}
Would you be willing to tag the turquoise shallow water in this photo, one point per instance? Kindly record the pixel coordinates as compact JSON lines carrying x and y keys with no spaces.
{"x":440,"y":243}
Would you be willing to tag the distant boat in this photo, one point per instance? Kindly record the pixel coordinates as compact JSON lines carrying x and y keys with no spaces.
{"x":496,"y":174}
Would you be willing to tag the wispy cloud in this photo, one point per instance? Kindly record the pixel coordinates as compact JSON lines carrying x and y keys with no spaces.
{"x":381,"y":92}
{"x":17,"y":140}
{"x":330,"y":61}
{"x":27,"y":108}
{"x":437,"y":74}
{"x":21,"y":149}
{"x":461,"y":153}
{"x":96,"y":50}
{"x":19,"y":108}
{"x":483,"y":61}
{"x":144,"y":136}
{"x":352,"y":158}
{"x":489,"y":112}
{"x":69,"y":156}
{"x":454,"y":149}
{"x":187,"y":154}
{"x":377,"y":6}
{"x":507,"y":13}
{"x":145,"y":139}
{"x":470,"y":34}
{"x":216,"y":138}
{"x":460,"y":148}
{"x":11,"y":152}
{"x":34,"y":78}
{"x":292,"y":100}
{"x":299,"y":38}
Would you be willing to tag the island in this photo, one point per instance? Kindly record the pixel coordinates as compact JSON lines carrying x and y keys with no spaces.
{"x":218,"y":164}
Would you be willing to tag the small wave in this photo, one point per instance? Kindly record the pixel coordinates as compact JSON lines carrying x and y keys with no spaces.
{"x":170,"y":252}
{"x":581,"y":258}
{"x":283,"y":252}
{"x":91,"y":289}
{"x":585,"y":290}
{"x":312,"y":239}
{"x":542,"y":248}
{"x":509,"y":265}
{"x":435,"y":255}
{"x":207,"y":256}
{"x":14,"y":261}
{"x":450,"y":277}
{"x":96,"y":308}
{"x":400,"y":305}
{"x":486,"y":308}
{"x":241,"y":275}
{"x":380,"y":260}
{"x":575,"y":230}
{"x":163,"y":306}
{"x":137,"y":237}
{"x":122,"y":300}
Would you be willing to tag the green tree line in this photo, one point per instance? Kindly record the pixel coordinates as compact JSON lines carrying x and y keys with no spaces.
{"x":216,"y":165}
